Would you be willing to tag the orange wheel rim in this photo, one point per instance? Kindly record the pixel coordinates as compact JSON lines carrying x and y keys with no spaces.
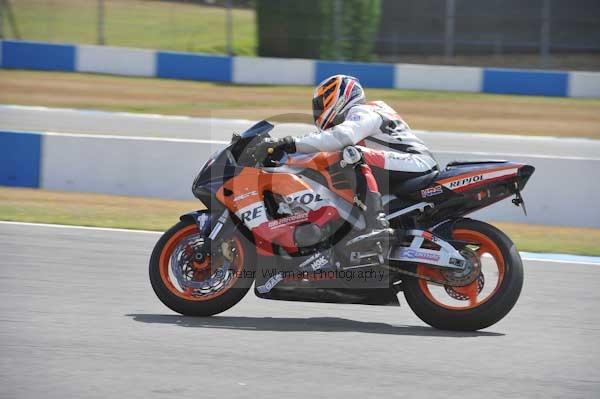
{"x":188,"y":293}
{"x":475,"y":297}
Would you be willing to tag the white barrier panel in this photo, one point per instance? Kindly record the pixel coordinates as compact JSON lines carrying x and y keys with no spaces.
{"x":115,"y":60}
{"x":435,"y":77}
{"x":584,"y":84}
{"x":273,"y":71}
{"x":560,"y":191}
{"x":140,"y":167}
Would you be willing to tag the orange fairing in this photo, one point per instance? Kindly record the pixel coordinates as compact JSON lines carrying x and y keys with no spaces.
{"x":248,"y":187}
{"x":321,"y":162}
{"x":317,"y":161}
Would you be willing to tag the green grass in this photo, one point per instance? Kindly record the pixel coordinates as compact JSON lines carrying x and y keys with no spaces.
{"x":428,"y":110}
{"x":98,"y":210}
{"x":165,"y":25}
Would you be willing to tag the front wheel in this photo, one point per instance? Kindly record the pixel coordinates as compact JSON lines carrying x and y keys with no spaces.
{"x":490,"y":293}
{"x":195,"y":286}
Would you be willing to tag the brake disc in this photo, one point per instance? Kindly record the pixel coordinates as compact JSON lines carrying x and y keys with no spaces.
{"x":460,"y":278}
{"x":182,"y":267}
{"x":462,"y":297}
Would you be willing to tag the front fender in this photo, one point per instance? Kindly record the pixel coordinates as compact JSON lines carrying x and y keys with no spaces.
{"x":199,"y":217}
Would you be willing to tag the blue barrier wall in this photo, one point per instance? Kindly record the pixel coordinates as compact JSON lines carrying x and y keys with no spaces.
{"x":536,"y":83}
{"x":252,"y":70}
{"x":43,"y":56}
{"x":193,"y":67}
{"x":20,"y":155}
{"x":370,"y":75}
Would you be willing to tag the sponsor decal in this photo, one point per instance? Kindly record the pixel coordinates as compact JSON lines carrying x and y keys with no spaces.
{"x":304,"y":199}
{"x":414,"y":254}
{"x":252,"y":214}
{"x":464,"y":182}
{"x":245,"y":195}
{"x":290,"y":219}
{"x":467,"y":181}
{"x":354,"y":118}
{"x":272,"y":282}
{"x":315,"y":262}
{"x":431,"y":191}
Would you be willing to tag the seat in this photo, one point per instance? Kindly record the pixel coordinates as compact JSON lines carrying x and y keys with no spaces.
{"x":415,"y":184}
{"x":473,"y":162}
{"x":400,"y":183}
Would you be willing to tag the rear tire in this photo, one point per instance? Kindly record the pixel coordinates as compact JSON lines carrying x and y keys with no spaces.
{"x":191,"y":306}
{"x":481,"y":315}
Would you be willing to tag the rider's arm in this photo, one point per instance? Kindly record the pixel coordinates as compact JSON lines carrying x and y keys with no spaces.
{"x":359,"y":124}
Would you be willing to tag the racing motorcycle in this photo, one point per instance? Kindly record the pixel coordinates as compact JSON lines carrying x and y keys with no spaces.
{"x":290,"y":227}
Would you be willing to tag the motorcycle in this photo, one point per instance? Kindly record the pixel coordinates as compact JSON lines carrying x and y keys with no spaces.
{"x":290,"y":228}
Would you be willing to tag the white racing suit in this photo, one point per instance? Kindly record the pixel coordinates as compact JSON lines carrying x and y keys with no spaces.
{"x":400,"y":154}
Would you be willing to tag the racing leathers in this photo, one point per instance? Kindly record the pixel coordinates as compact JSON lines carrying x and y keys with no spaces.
{"x":400,"y":154}
{"x":377,"y":126}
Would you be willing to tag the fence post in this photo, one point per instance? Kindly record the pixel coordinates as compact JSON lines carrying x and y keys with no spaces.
{"x":449,"y":33}
{"x":229,"y":28}
{"x":100,"y":24}
{"x":545,"y":34}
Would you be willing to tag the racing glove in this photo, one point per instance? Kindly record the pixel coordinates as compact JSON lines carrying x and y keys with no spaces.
{"x":275,"y":149}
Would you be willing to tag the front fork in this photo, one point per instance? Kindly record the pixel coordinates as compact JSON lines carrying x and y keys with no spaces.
{"x":211,"y":226}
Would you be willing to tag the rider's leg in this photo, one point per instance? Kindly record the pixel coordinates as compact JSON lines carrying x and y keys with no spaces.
{"x":395,"y":167}
{"x":368,"y":199}
{"x":371,"y":198}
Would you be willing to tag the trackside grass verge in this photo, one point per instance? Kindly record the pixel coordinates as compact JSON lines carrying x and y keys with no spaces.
{"x":99,"y":210}
{"x":426,"y":110}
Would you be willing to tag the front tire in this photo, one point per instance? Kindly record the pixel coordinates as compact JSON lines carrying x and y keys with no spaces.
{"x":193,"y":301}
{"x":477,"y":313}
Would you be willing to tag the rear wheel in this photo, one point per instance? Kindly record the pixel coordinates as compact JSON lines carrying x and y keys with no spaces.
{"x":196,"y":285}
{"x":489,"y":292}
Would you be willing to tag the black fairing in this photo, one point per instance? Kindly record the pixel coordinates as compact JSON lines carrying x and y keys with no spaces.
{"x":451,"y":204}
{"x":217,"y":170}
{"x":227,"y":163}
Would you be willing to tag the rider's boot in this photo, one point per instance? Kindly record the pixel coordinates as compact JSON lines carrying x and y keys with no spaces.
{"x":377,"y":226}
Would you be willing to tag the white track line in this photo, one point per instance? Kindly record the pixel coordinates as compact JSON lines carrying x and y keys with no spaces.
{"x":529,"y":256}
{"x":74,"y":227}
{"x":121,"y":137}
{"x":221,"y":142}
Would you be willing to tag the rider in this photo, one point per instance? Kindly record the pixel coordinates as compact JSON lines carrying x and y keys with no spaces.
{"x":344,"y":118}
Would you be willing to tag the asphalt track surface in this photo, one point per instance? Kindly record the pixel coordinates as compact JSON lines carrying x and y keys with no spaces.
{"x":42,"y":119}
{"x":78,"y":319}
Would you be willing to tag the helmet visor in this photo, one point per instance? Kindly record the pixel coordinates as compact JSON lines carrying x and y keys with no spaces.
{"x":318,"y":107}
